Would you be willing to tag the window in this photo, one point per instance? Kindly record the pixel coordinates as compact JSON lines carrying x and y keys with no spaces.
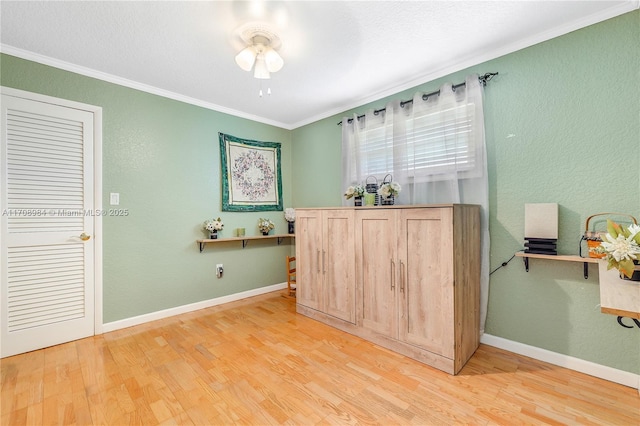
{"x":429,"y":146}
{"x":440,"y":143}
{"x":376,"y":152}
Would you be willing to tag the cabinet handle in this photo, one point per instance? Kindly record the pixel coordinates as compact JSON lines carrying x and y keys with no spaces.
{"x":324,"y":269}
{"x":393,"y":269}
{"x":318,"y":260}
{"x":402,"y":273}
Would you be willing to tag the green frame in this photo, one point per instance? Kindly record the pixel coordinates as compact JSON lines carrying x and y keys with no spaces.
{"x":251,"y":175}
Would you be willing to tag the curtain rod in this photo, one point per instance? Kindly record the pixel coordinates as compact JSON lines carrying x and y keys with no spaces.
{"x":484,"y":79}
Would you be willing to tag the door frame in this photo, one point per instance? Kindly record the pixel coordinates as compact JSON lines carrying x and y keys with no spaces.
{"x":97,"y":186}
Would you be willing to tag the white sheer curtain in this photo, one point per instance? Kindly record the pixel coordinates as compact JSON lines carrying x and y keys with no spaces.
{"x":435,"y":148}
{"x":367,"y":148}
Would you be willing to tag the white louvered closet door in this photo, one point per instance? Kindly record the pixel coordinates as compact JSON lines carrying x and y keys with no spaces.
{"x":47,"y":200}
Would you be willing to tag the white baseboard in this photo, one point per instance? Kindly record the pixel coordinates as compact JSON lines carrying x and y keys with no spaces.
{"x":601,"y":371}
{"x":141,"y":319}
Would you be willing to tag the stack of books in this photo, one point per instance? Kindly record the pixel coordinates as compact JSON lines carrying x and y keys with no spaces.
{"x":541,"y":245}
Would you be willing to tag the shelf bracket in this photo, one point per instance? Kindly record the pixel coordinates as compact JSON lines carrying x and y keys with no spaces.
{"x":526,"y":263}
{"x":244,"y":243}
{"x":280,"y":239}
{"x":586,"y":270}
{"x":201,"y":247}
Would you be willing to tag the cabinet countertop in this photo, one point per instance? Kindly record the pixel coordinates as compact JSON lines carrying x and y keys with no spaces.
{"x":395,"y":206}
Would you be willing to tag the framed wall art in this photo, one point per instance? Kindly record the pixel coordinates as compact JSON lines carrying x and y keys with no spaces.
{"x":251,"y":177}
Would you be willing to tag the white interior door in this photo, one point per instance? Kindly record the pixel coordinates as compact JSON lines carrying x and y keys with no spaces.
{"x":48,"y":224}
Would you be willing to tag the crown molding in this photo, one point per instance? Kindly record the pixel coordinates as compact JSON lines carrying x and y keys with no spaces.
{"x":110,"y":78}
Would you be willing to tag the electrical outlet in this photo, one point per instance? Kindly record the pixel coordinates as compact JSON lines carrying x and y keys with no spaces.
{"x":219,"y":270}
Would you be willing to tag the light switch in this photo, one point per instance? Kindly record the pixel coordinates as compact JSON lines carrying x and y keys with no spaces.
{"x":114,"y":198}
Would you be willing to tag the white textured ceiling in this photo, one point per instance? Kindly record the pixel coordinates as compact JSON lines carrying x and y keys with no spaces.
{"x":338,"y":54}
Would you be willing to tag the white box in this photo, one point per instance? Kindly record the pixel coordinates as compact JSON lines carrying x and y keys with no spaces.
{"x":541,"y":220}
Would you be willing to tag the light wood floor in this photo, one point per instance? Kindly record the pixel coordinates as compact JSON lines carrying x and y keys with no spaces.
{"x":257,"y":362}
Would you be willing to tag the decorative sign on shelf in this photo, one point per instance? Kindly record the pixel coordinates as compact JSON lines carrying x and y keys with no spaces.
{"x":617,"y":295}
{"x":251,"y":177}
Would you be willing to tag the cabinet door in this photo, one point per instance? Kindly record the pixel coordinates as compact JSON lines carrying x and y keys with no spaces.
{"x":377,"y":270}
{"x":308,"y":258}
{"x":338,"y":257}
{"x":426,"y":275}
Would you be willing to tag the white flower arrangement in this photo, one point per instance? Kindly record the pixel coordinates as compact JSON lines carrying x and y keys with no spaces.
{"x":290,"y":214}
{"x":621,"y":247}
{"x":388,"y":189}
{"x":354,"y":191}
{"x":265,"y":225}
{"x":212,"y":225}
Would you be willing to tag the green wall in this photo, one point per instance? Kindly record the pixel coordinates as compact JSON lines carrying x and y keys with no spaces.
{"x":563,"y":126}
{"x":163,"y":157}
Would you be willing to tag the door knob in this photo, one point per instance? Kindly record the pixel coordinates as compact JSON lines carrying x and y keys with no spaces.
{"x":85,"y":237}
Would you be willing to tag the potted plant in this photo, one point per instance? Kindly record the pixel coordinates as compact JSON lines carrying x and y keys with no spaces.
{"x":290,"y":217}
{"x":213,"y":226}
{"x":621,"y":247}
{"x":265,"y":225}
{"x":388,"y":191}
{"x":356,"y":192}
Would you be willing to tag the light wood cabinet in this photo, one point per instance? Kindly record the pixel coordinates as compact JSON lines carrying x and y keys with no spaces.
{"x":417,"y":271}
{"x":326,"y":250}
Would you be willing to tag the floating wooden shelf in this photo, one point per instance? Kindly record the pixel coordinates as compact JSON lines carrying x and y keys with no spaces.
{"x":561,"y":257}
{"x":245,"y":240}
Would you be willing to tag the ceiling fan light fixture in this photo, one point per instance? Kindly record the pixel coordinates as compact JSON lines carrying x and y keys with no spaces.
{"x":273,"y":61}
{"x":246,"y":58}
{"x":260,"y":71}
{"x":260,"y":53}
